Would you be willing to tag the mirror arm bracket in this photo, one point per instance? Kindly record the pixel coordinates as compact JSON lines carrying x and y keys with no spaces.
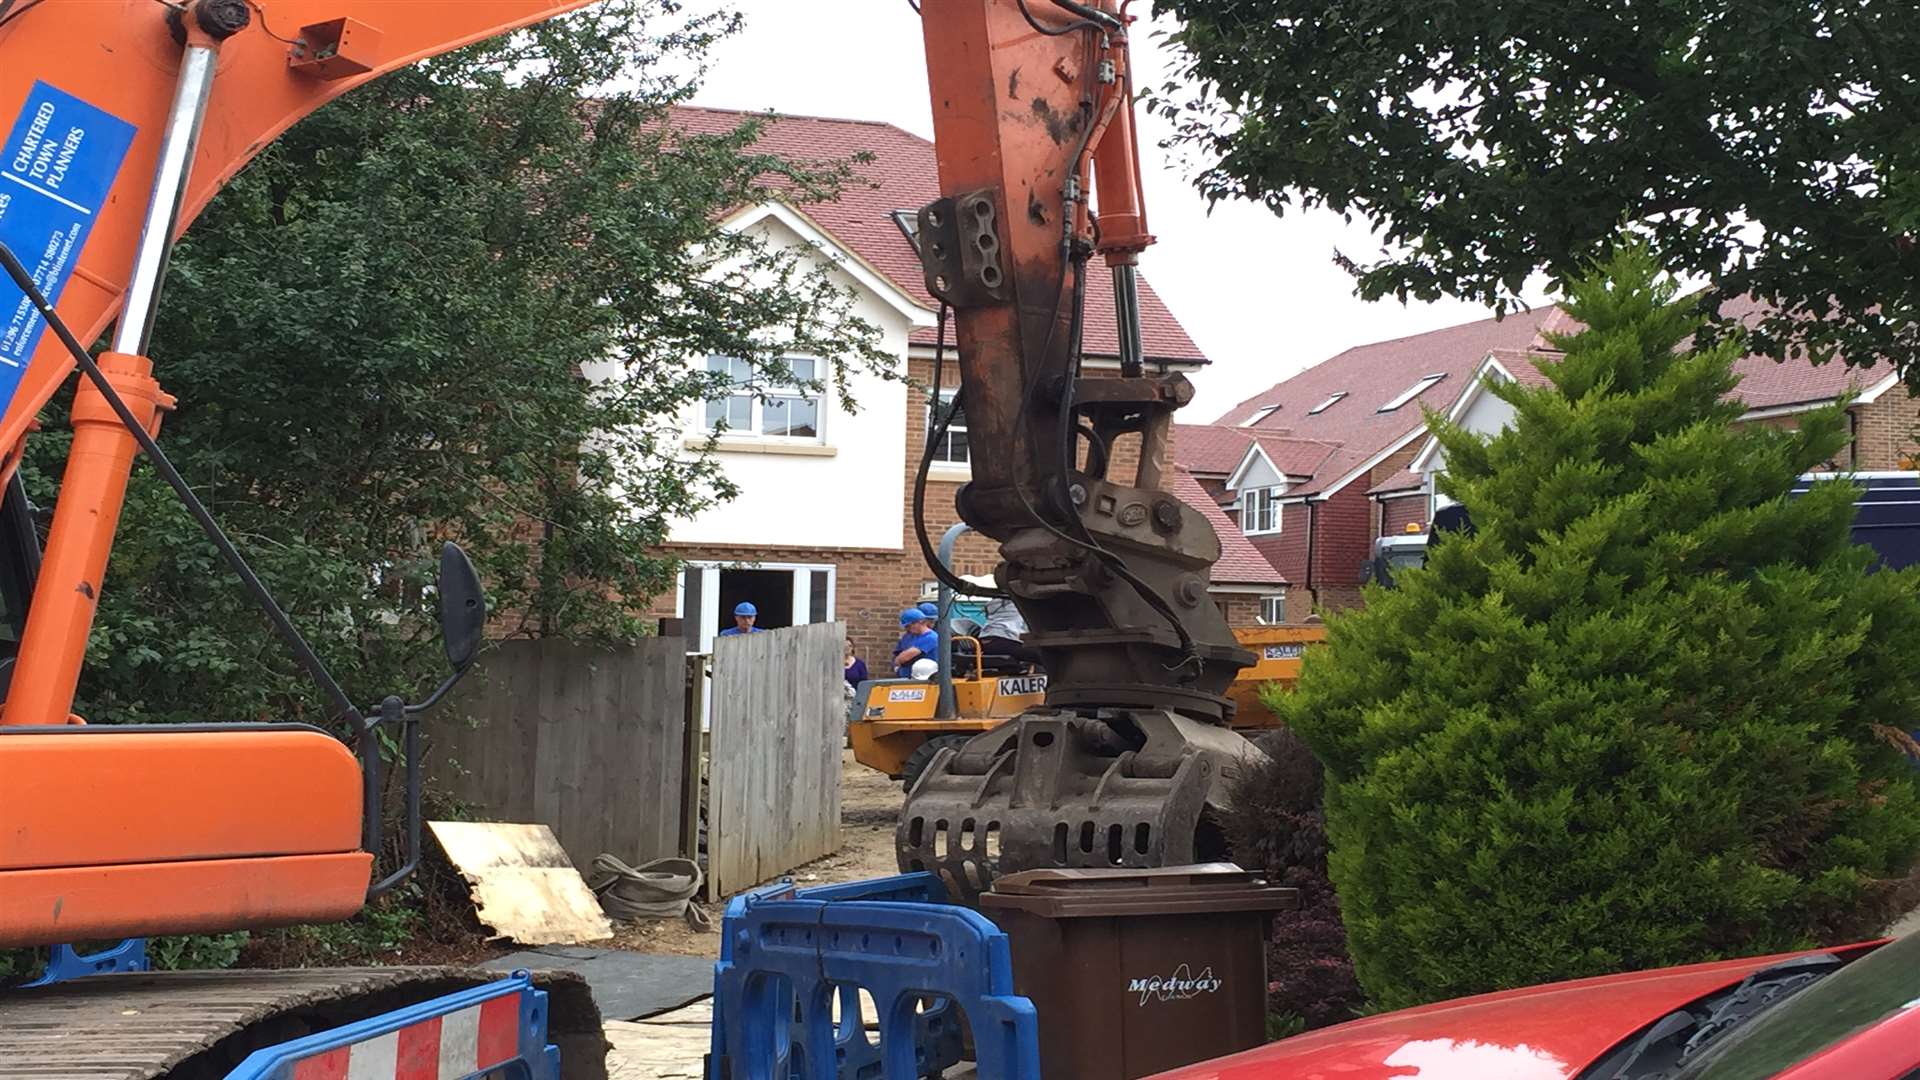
{"x":394,"y":710}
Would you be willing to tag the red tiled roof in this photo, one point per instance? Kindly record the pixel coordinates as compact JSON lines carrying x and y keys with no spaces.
{"x":1764,"y":382}
{"x":1519,"y":364}
{"x":1209,"y":450}
{"x":1295,"y":457}
{"x":1372,"y":376}
{"x":1240,"y":562}
{"x":902,"y":176}
{"x":1404,"y":480}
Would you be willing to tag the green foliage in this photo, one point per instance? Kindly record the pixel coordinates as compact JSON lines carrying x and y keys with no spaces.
{"x":193,"y":952}
{"x":377,"y":334}
{"x":1284,"y":1026}
{"x":1770,"y":147}
{"x":373,"y":936}
{"x":1636,"y":718}
{"x":188,"y":952}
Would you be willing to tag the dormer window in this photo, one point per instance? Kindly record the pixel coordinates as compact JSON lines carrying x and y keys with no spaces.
{"x":1260,"y":510}
{"x":1413,"y":391}
{"x":1332,"y":400}
{"x":1259,"y":414}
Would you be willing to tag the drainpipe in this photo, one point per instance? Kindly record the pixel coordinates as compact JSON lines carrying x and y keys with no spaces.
{"x":1313,"y":594}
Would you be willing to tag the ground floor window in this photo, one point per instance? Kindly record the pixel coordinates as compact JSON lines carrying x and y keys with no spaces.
{"x":1273,"y":609}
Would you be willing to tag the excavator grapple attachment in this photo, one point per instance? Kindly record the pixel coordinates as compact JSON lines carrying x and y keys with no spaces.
{"x":1061,"y":789}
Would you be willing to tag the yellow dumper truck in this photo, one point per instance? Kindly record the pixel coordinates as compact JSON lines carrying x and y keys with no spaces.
{"x":898,"y":725}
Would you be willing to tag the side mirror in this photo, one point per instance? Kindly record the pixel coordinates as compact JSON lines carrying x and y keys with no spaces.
{"x":463,"y":606}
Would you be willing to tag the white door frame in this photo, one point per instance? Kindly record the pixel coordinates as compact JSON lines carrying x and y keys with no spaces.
{"x":706,"y":624}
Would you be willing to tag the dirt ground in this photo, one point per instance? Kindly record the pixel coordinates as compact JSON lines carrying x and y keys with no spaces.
{"x":869,"y":803}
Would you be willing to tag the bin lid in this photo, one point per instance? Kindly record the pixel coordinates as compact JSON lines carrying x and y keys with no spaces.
{"x":1204,"y":888}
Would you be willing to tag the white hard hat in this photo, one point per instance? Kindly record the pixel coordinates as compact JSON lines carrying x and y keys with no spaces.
{"x":923,"y":668}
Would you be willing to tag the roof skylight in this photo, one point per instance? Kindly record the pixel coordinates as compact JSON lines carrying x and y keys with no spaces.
{"x":1413,"y":391}
{"x":909,"y":223}
{"x":1259,"y":414}
{"x":1332,"y":400}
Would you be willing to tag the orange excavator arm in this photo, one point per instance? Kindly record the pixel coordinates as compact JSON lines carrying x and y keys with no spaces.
{"x":124,"y":119}
{"x":118,"y":63}
{"x":1033,"y":117}
{"x":121,"y":120}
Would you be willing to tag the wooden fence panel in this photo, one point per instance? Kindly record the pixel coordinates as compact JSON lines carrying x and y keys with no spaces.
{"x":777,"y":730}
{"x":586,"y":741}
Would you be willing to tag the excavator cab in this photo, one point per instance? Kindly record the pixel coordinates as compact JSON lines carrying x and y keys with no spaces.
{"x":120,"y":122}
{"x":114,"y":832}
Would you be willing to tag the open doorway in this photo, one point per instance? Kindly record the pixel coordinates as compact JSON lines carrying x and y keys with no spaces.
{"x":788,"y":594}
{"x":791,"y":594}
{"x":769,"y":591}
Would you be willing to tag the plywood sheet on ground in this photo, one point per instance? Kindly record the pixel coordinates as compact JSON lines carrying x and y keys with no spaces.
{"x":524,"y":886}
{"x":673,"y":1046}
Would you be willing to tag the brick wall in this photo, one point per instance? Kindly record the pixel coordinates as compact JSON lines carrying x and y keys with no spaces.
{"x":1340,"y":597}
{"x":1342,"y":534}
{"x":1391,"y":469}
{"x":1883,"y":433}
{"x":1299,"y":605}
{"x":1241,"y":609}
{"x":1344,"y":537}
{"x":1396,"y":514}
{"x":1287,"y":549}
{"x":1884,"y":430}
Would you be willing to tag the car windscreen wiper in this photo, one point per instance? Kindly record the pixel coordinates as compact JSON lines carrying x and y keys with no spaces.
{"x":1680,"y":1036}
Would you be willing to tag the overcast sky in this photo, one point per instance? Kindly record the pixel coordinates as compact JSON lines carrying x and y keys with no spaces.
{"x":1259,"y":293}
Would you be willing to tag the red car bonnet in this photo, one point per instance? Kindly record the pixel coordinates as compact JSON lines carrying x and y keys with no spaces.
{"x":1546,"y":1032}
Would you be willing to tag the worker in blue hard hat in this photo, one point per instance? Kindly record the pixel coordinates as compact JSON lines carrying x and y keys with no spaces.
{"x":930,"y":609}
{"x":743,"y":615}
{"x":914,"y":656}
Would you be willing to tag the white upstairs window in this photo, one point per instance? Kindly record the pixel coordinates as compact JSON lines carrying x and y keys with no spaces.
{"x":1260,"y":510}
{"x":789,"y":412}
{"x":953,"y":448}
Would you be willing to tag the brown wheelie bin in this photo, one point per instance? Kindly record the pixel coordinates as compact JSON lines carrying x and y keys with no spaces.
{"x":1136,"y":971}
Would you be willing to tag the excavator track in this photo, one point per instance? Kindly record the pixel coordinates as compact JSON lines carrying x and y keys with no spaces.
{"x":198,"y":1025}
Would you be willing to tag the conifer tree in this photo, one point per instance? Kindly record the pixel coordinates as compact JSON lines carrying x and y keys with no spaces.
{"x":1647,"y":713}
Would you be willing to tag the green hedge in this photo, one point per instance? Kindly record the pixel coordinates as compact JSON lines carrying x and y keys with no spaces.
{"x":1646,"y":713}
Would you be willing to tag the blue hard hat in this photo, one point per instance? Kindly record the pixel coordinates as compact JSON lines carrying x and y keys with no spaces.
{"x":931,"y":609}
{"x":744,"y":608}
{"x":912,"y":615}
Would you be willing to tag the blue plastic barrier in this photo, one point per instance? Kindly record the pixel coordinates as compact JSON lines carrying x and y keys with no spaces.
{"x":787,"y":954}
{"x":65,"y":962}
